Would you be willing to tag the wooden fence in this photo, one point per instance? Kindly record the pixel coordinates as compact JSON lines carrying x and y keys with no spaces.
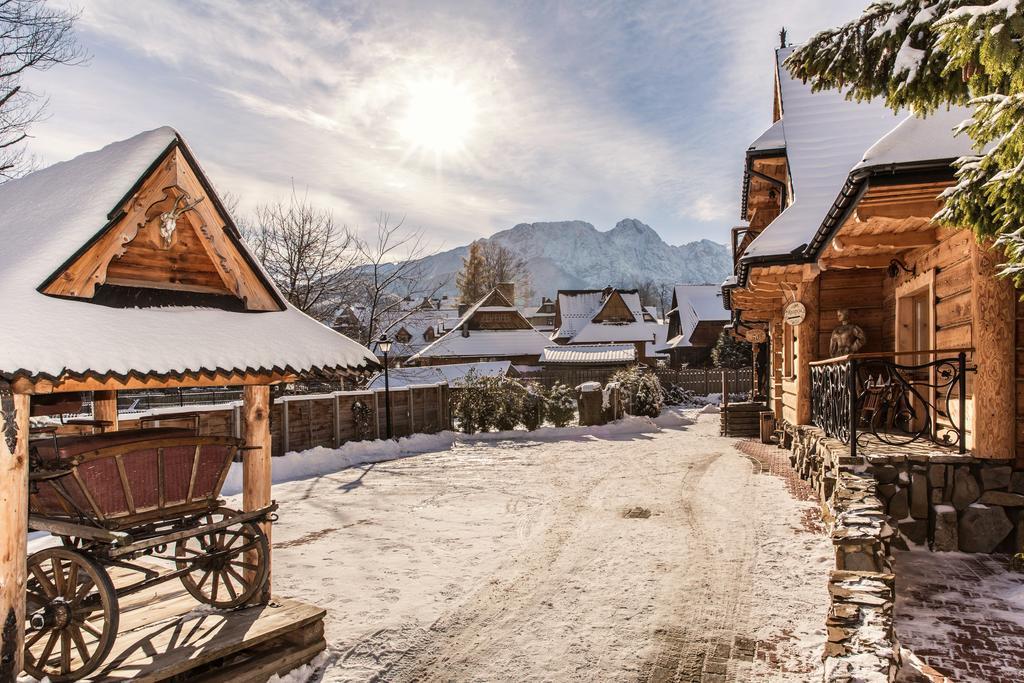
{"x":298,"y":423}
{"x":704,"y":381}
{"x":701,"y":381}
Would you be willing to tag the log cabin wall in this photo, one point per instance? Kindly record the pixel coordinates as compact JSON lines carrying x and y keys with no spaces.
{"x":862,"y":293}
{"x":948,"y":269}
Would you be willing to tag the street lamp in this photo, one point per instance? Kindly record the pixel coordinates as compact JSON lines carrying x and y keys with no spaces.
{"x":384,"y":345}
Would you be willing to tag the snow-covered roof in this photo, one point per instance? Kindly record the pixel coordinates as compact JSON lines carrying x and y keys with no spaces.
{"x":917,"y":139}
{"x":616,"y":332}
{"x":486,"y":344}
{"x":454,"y":374}
{"x":774,"y":138}
{"x":696,"y":303}
{"x":825,"y":135}
{"x":47,"y":216}
{"x":589,"y":355}
{"x":575,"y":310}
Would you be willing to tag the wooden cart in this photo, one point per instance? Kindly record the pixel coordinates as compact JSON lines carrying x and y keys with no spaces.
{"x":114,"y":498}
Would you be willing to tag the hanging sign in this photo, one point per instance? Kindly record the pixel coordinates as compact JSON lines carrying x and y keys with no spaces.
{"x":756,"y":336}
{"x":794,"y":313}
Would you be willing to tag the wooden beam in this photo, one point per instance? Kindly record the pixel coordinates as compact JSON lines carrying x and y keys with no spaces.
{"x":994,"y":299}
{"x":899,"y":240}
{"x":256,"y":465}
{"x":104,"y":407}
{"x":212,"y":379}
{"x":850,"y":262}
{"x":806,"y":349}
{"x":14,"y":410}
{"x":897,"y":208}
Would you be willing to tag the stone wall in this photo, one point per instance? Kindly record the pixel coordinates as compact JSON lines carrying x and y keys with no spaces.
{"x":934,"y":498}
{"x":861,"y":641}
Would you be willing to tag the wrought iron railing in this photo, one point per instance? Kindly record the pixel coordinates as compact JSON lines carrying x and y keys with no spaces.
{"x":863,"y":397}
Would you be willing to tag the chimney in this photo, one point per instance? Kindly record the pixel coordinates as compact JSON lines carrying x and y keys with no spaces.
{"x":508,"y":290}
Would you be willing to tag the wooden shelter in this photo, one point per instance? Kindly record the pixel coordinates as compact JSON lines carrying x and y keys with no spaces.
{"x":121,"y":269}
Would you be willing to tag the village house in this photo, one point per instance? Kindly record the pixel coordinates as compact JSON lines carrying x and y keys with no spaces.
{"x":541,"y":317}
{"x":412,"y":325}
{"x":608,"y":316}
{"x":695,"y":321}
{"x":492,"y":329}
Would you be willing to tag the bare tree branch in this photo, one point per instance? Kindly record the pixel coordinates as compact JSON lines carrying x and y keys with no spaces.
{"x":32,"y":37}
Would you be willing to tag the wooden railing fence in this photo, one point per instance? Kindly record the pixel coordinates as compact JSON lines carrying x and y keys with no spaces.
{"x":704,"y":381}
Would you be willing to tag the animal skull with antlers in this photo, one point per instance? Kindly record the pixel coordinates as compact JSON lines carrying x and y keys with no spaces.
{"x":169,"y":219}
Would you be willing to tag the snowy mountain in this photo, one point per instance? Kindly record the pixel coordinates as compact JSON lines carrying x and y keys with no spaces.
{"x":576,"y":255}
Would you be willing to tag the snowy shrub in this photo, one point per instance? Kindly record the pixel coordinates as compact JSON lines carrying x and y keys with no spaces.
{"x":640,"y":390}
{"x":507,"y":397}
{"x":647,"y":400}
{"x":362,"y":417}
{"x":533,"y":406}
{"x":561,"y":404}
{"x":486,"y":403}
{"x":675,"y":395}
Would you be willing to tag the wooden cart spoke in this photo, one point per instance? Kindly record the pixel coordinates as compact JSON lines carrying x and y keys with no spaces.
{"x":227,"y":585}
{"x":83,"y":590}
{"x":71,"y":584}
{"x":58,"y":574}
{"x":34,"y":638}
{"x":80,"y":645}
{"x":44,"y":657}
{"x":88,"y":627}
{"x":44,"y":582}
{"x":65,"y":652}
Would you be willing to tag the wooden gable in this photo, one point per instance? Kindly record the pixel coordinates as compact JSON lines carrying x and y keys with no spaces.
{"x":140,"y":249}
{"x":614,"y":310}
{"x":510,"y":319}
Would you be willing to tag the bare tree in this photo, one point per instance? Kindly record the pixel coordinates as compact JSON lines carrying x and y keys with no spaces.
{"x":312,"y":259}
{"x":33,"y":36}
{"x":652,"y":293}
{"x":501,"y":264}
{"x":391,"y":269}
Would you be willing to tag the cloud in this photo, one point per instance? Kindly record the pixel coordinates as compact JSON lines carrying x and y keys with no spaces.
{"x":582,"y":110}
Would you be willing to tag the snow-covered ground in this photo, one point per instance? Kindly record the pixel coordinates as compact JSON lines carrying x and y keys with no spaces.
{"x":577,"y":554}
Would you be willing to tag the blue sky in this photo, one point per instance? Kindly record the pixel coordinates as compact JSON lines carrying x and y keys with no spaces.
{"x":466,"y":117}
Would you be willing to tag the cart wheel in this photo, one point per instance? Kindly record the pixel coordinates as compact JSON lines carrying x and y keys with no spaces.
{"x":227,"y":567}
{"x":71,"y":615}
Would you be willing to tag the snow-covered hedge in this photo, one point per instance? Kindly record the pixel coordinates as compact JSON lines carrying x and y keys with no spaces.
{"x":640,"y":389}
{"x":483,"y":404}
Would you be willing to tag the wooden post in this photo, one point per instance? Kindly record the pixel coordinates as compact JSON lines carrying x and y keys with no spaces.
{"x":337,"y":420}
{"x":285,"y":428}
{"x":256,"y":467}
{"x":993,"y":299}
{"x":104,"y":407}
{"x":806,"y":347}
{"x":14,"y":526}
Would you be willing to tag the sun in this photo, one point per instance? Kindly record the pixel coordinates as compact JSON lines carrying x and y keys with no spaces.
{"x":440,"y":116}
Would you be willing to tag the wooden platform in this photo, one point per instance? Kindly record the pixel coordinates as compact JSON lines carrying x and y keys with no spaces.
{"x":166,"y":635}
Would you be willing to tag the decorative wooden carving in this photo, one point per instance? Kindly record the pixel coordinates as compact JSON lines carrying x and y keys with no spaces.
{"x":140,"y":249}
{"x":10,"y":425}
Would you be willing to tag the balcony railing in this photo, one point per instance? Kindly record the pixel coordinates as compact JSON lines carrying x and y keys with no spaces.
{"x":892,"y":398}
